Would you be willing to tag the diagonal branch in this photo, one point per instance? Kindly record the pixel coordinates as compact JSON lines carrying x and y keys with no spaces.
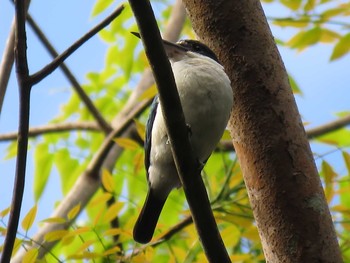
{"x":77,"y":87}
{"x":40,"y":75}
{"x":186,"y":163}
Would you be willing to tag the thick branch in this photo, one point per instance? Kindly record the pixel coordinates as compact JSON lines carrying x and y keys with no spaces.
{"x":283,"y":185}
{"x":185,"y":161}
{"x":38,"y":76}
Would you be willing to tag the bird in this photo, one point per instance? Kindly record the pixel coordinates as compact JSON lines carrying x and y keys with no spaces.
{"x":206,"y":98}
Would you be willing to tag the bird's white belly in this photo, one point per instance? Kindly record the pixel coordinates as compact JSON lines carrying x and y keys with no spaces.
{"x":206,"y":104}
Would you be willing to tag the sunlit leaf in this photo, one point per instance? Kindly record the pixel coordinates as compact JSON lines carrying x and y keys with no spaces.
{"x":107,"y":181}
{"x":28,"y":220}
{"x":86,"y":245}
{"x":341,"y":48}
{"x":294,"y":85}
{"x":55,"y":235}
{"x":140,"y":128}
{"x":112,"y":232}
{"x":127,"y":143}
{"x":292,"y":4}
{"x":305,"y":39}
{"x":101,"y":199}
{"x":287,"y":22}
{"x":30,"y":256}
{"x":329,"y":176}
{"x":231,"y":235}
{"x":43,"y":161}
{"x":113,"y":211}
{"x":100,"y":6}
{"x":5,"y":212}
{"x":332,"y":12}
{"x":149,"y":93}
{"x":80,"y":230}
{"x":56,"y":220}
{"x":310,"y":5}
{"x":111,"y":251}
{"x":73,"y":212}
{"x":346,"y":157}
{"x":11,"y":150}
{"x":328,"y":36}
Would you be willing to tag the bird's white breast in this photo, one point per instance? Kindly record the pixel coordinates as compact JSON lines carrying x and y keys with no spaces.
{"x":206,"y":98}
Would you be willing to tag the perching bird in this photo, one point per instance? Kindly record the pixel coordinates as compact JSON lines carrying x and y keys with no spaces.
{"x":206,"y":99}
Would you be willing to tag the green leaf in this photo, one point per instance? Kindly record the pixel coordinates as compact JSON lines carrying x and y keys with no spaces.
{"x":341,"y":48}
{"x":43,"y":161}
{"x":11,"y":150}
{"x":127,"y":143}
{"x":328,"y":36}
{"x":107,"y":181}
{"x":5,"y":212}
{"x":346,"y":157}
{"x":28,"y":220}
{"x":294,"y":85}
{"x":292,"y":4}
{"x":100,"y":6}
{"x":55,"y":235}
{"x":113,"y":211}
{"x":305,"y":39}
{"x":66,"y":167}
{"x":310,"y":5}
{"x":30,"y":256}
{"x":73,"y":212}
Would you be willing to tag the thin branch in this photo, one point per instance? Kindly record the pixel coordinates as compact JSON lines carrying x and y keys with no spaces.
{"x":305,"y":20}
{"x":313,"y":133}
{"x":38,"y":76}
{"x":77,"y":87}
{"x":22,"y":145}
{"x":328,"y":127}
{"x":53,"y":128}
{"x":186,"y":163}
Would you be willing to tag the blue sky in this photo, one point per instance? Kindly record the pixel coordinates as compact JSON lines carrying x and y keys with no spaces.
{"x":325,"y":85}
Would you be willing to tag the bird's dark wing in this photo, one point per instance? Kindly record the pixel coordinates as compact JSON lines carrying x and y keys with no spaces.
{"x":148,"y":136}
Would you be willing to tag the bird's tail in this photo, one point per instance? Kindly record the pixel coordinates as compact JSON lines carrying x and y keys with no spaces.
{"x":148,"y":218}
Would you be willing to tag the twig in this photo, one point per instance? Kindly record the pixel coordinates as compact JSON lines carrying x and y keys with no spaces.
{"x":53,"y":128}
{"x":185,"y":161}
{"x":328,"y":127}
{"x":77,"y":87}
{"x":38,"y":76}
{"x":24,"y":97}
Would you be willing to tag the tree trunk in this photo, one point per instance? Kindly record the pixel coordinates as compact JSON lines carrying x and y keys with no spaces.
{"x":280,"y":174}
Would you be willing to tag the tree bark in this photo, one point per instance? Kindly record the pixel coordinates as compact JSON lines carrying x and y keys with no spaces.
{"x":283,"y":185}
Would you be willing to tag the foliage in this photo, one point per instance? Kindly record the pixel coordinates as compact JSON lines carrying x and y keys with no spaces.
{"x":103,"y":233}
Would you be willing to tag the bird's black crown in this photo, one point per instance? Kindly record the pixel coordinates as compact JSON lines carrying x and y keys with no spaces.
{"x":198,"y":47}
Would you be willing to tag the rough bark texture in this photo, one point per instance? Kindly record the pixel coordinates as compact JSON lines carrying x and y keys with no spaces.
{"x":282,"y":181}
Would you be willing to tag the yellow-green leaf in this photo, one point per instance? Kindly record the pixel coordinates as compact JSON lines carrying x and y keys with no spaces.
{"x":112,"y":232}
{"x":149,"y":93}
{"x":113,"y":211}
{"x":341,"y":48}
{"x":346,"y":157}
{"x":127,"y":143}
{"x":101,"y":199}
{"x":28,"y":220}
{"x":140,"y":128}
{"x":329,"y":13}
{"x":57,"y":220}
{"x":328,"y":36}
{"x":111,"y":251}
{"x":30,"y":256}
{"x":305,"y":39}
{"x":310,"y":5}
{"x":43,"y":161}
{"x":298,"y":23}
{"x":55,"y":235}
{"x":73,"y":212}
{"x":100,"y":6}
{"x":292,"y":4}
{"x":5,"y":212}
{"x":107,"y":181}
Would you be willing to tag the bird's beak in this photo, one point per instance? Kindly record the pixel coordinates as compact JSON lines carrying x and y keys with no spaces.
{"x":173,"y":50}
